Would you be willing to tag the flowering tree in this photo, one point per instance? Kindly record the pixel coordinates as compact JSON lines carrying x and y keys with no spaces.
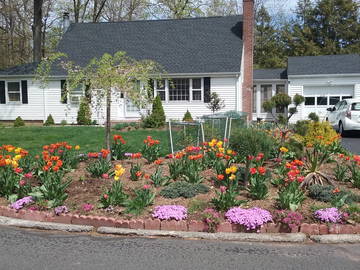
{"x":110,"y":74}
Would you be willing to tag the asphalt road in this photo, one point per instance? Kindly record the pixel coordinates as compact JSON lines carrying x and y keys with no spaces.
{"x":352,"y":142}
{"x":24,"y":249}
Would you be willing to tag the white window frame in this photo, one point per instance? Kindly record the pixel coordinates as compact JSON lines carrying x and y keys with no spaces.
{"x":7,"y":92}
{"x":164,"y":90}
{"x":191,"y":100}
{"x":201,"y":90}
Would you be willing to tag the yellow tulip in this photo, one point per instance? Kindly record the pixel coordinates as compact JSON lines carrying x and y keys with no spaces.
{"x":18,"y":150}
{"x":116,"y":178}
{"x":77,"y":147}
{"x":15,"y":164}
{"x":8,"y":161}
{"x":17,"y":157}
{"x":232,"y":177}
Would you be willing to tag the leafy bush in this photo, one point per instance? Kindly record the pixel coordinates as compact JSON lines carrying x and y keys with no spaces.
{"x":99,"y":167}
{"x":301,"y":127}
{"x":291,"y":197}
{"x":187,"y":117}
{"x":49,"y":121}
{"x":128,"y":125}
{"x":331,"y":194}
{"x":183,"y":189}
{"x":114,"y":197}
{"x":313,"y":117}
{"x":250,"y":142}
{"x":158,"y":179}
{"x":157,"y":117}
{"x":226,"y":198}
{"x":63,"y":122}
{"x":143,"y":198}
{"x":19,"y":122}
{"x":319,"y":133}
{"x":84,"y":113}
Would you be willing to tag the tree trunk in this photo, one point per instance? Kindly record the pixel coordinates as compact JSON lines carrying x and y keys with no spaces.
{"x":37,"y":30}
{"x":108,"y":121}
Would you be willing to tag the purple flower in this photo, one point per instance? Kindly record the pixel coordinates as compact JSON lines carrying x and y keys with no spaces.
{"x":166,"y":212}
{"x":60,"y":210}
{"x":332,"y":215}
{"x":251,"y":218}
{"x":21,"y":203}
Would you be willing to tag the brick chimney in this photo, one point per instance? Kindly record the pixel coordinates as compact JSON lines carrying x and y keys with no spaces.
{"x":248,"y":40}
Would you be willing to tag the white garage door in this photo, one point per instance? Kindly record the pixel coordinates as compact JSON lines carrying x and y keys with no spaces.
{"x":319,"y":98}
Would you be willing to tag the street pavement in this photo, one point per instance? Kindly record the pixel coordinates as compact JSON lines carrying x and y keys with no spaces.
{"x":25,"y":249}
{"x":352,"y":142}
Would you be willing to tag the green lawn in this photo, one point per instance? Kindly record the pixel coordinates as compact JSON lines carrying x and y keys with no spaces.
{"x":89,"y":138}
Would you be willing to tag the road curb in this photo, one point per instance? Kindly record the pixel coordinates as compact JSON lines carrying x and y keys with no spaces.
{"x":44,"y":225}
{"x":242,"y":237}
{"x":336,"y":238}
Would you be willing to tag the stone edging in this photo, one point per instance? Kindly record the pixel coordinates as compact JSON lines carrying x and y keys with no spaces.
{"x":172,"y":225}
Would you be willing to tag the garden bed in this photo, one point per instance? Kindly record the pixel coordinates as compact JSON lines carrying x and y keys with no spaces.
{"x":210,"y":188}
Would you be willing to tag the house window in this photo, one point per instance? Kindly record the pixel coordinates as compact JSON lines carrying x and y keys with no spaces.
{"x":130,"y":107}
{"x":309,"y":101}
{"x":160,"y":89}
{"x":179,"y":89}
{"x":322,"y":101}
{"x":347,"y":97}
{"x":196,"y":89}
{"x":266,"y":92}
{"x":334,"y":100}
{"x":14,"y":91}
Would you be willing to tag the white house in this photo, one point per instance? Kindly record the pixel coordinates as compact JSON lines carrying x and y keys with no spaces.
{"x":199,"y":55}
{"x":322,"y":80}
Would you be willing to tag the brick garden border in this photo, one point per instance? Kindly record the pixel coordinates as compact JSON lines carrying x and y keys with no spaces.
{"x":173,"y":225}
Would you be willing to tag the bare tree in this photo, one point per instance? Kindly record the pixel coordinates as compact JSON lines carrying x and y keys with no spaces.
{"x":37,"y":30}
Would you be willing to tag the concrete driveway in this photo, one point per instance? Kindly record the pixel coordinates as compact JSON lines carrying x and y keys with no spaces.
{"x":352,"y":142}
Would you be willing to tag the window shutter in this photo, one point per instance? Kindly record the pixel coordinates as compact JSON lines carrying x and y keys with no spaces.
{"x":207,"y":89}
{"x":2,"y":92}
{"x":24,"y":92}
{"x":63,"y":92}
{"x":151,"y":85}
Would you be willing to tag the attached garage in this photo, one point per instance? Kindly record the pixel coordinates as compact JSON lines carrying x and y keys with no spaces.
{"x":319,"y":98}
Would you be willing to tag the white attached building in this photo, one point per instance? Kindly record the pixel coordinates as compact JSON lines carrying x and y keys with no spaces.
{"x":322,"y":80}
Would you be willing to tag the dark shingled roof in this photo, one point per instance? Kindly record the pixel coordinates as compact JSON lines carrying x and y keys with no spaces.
{"x":24,"y":69}
{"x":325,"y":64}
{"x":195,"y":45}
{"x":273,"y":73}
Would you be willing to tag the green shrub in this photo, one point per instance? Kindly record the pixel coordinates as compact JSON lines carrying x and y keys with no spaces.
{"x":249,"y":141}
{"x":49,"y":121}
{"x":63,"y":122}
{"x":157,"y":117}
{"x":313,"y":117}
{"x":327,"y":194}
{"x":128,"y":125}
{"x":183,"y":189}
{"x":84,"y":113}
{"x":19,"y":122}
{"x":301,"y":127}
{"x":143,"y":198}
{"x":187,"y":117}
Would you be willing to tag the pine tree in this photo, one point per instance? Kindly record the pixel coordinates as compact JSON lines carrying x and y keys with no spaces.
{"x":268,"y":51}
{"x":84,"y":113}
{"x":157,"y":117}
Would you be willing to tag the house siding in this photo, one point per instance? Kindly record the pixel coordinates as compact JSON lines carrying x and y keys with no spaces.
{"x":226,"y":89}
{"x":35,"y":109}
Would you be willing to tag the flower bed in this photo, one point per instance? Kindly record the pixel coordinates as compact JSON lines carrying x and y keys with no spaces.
{"x":211,"y":188}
